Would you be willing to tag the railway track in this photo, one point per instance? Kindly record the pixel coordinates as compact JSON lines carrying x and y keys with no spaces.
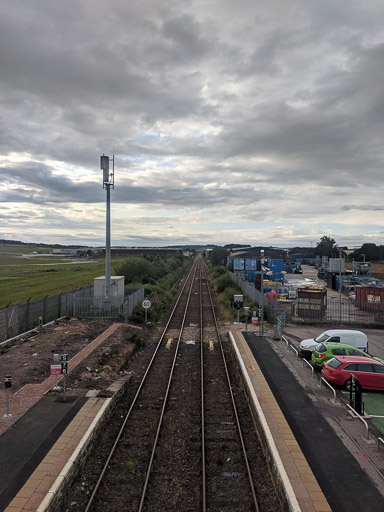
{"x":183,"y":443}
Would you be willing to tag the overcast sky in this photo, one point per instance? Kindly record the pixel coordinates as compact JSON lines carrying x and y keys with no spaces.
{"x":231,"y":122}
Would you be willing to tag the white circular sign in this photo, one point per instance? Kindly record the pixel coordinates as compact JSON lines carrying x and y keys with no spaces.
{"x":146,"y":304}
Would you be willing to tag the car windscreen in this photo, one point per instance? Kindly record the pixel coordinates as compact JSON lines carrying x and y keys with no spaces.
{"x":323,"y":337}
{"x":321,"y":348}
{"x":334,"y":363}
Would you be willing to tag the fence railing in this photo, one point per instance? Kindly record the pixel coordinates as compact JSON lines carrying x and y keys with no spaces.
{"x":20,"y":318}
{"x":337,"y":312}
{"x":343,"y":312}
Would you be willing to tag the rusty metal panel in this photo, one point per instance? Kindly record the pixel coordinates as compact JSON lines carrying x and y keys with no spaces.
{"x":312,"y":302}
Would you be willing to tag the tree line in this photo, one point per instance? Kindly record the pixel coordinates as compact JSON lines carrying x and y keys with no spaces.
{"x":327,"y":246}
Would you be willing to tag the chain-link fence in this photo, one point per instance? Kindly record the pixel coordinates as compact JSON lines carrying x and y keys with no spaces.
{"x":20,"y":318}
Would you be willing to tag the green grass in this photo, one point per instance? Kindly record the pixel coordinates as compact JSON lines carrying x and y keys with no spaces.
{"x":373,"y":404}
{"x":22,"y":249}
{"x":36,"y":277}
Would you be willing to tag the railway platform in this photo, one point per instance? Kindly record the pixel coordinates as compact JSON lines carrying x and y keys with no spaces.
{"x":48,"y":443}
{"x":296,"y":479}
{"x":319,"y":464}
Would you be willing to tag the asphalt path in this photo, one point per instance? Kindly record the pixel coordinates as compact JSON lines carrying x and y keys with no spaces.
{"x":346,"y":486}
{"x":26,"y":443}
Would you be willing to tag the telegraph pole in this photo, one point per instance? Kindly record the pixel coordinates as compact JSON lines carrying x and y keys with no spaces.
{"x":261,"y":304}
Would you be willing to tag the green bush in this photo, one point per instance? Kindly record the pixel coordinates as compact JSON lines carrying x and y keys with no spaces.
{"x":227,"y":296}
{"x":138,"y":340}
{"x":224,"y":282}
{"x":160,"y":277}
{"x":217,"y":272}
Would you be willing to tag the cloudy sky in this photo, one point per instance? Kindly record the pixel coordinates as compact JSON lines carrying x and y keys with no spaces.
{"x":231,"y":122}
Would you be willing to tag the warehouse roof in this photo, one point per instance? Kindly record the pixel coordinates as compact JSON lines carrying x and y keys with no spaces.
{"x":255,"y":252}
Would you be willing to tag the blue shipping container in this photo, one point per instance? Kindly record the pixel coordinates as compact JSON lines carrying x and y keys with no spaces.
{"x":276,"y":265}
{"x":250,"y":264}
{"x":238,"y":264}
{"x":251,"y":276}
{"x":276,"y":277}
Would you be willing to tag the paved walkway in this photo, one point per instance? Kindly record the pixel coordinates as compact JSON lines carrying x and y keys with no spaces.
{"x":40,"y":488}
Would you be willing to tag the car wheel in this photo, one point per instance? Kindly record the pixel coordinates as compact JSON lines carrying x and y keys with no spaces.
{"x":347,"y":385}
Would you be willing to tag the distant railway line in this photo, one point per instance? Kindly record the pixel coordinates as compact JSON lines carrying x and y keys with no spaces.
{"x":187,"y":440}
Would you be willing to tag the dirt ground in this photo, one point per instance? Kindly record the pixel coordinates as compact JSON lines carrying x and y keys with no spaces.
{"x":28,"y":359}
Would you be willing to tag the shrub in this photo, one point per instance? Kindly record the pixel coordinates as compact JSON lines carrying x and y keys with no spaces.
{"x":138,"y":340}
{"x":217,"y":272}
{"x":224,"y":282}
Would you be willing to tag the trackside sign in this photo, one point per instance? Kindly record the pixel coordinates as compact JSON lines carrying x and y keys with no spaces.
{"x":55,"y":369}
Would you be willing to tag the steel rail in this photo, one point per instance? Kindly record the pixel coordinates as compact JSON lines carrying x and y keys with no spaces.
{"x":120,"y":433}
{"x":233,"y":401}
{"x":203,"y":461}
{"x":149,"y":468}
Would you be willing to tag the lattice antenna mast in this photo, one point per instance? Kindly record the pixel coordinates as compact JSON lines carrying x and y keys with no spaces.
{"x":108,"y":183}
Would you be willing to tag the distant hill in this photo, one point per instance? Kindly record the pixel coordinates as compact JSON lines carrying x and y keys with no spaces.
{"x":32,"y":244}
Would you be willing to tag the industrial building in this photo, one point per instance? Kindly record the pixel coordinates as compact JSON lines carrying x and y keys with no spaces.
{"x":247,"y":263}
{"x":71,"y":252}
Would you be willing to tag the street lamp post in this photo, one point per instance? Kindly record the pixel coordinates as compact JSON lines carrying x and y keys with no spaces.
{"x":340,"y":285}
{"x":261,"y":304}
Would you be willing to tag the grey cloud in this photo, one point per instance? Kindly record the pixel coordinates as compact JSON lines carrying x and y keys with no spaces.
{"x":362,"y":208}
{"x":41,"y":185}
{"x":292,"y":104}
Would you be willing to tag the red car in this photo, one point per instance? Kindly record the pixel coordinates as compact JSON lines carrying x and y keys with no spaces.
{"x":370,"y":374}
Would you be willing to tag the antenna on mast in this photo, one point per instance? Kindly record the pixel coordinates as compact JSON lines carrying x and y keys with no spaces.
{"x":108,"y":183}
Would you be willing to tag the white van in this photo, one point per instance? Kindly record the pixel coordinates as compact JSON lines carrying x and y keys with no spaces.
{"x":354,"y":338}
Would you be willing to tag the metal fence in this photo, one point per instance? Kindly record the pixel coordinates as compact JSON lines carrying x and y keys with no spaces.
{"x":20,"y":318}
{"x":342,"y":312}
{"x":337,"y":312}
{"x":249,"y":290}
{"x":98,"y":307}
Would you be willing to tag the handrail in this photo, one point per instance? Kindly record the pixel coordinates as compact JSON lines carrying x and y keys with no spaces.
{"x":330,"y":387}
{"x":379,"y":440}
{"x":360,"y":418}
{"x":310,"y":365}
{"x":293,"y":348}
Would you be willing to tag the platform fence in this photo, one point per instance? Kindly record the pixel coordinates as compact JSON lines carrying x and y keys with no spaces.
{"x":22,"y":317}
